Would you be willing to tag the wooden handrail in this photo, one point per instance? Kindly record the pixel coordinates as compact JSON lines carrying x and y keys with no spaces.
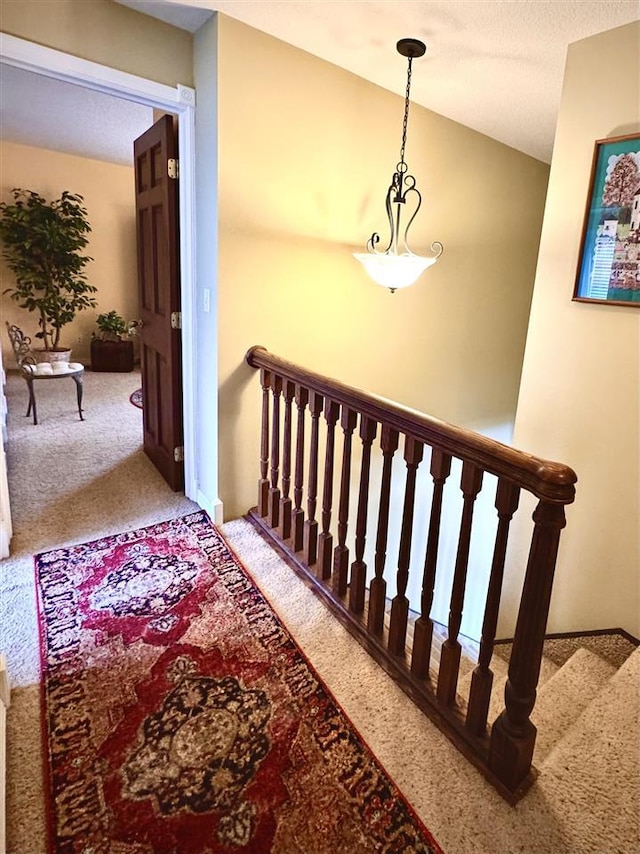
{"x":552,"y":481}
{"x":407,"y":646}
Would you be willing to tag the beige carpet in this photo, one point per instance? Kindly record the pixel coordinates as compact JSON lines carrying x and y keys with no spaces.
{"x":72,"y":482}
{"x":69,"y":481}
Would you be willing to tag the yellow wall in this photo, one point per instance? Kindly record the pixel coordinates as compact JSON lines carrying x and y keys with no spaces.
{"x":580,"y":394}
{"x":306,"y":152}
{"x":108,"y":192}
{"x":104,"y":32}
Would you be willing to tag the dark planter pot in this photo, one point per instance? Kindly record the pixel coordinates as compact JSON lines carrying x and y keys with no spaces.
{"x":115,"y":356}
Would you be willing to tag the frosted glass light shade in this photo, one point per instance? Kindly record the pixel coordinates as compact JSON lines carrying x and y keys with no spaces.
{"x":394,"y":271}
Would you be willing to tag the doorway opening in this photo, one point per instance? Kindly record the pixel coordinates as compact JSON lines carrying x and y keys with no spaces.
{"x":178,"y":101}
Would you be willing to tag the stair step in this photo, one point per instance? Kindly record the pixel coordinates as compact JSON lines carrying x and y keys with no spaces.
{"x":562,"y":699}
{"x":500,"y":669}
{"x":594,"y":770}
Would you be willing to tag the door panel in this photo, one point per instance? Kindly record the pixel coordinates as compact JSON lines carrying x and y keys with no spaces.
{"x":159,"y":293}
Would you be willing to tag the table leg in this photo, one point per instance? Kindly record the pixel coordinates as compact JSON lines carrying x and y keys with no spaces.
{"x":32,"y":401}
{"x":78,"y":382}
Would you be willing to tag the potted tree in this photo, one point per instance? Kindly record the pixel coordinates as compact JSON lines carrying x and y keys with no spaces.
{"x":109,"y":352}
{"x":42,"y":245}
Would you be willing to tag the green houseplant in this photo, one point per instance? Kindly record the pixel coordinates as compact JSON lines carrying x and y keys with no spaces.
{"x":113,"y":326}
{"x":42,"y":245}
{"x":109,"y":352}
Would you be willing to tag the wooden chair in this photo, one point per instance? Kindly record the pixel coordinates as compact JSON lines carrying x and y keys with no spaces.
{"x":33,"y":370}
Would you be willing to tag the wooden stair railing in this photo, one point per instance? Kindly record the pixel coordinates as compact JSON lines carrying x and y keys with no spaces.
{"x":405,"y":647}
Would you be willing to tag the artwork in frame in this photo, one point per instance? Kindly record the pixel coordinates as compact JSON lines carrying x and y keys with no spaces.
{"x":609,"y":265}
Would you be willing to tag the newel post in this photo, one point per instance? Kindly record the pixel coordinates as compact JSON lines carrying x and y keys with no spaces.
{"x":513,"y":735}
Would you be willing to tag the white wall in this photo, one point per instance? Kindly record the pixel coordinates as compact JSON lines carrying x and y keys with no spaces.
{"x":206,"y":415}
{"x":579,"y":398}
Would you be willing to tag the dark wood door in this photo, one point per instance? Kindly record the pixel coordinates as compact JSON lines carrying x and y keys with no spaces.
{"x":155,"y":153}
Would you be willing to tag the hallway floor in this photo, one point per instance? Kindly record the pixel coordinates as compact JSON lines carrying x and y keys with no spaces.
{"x":69,"y":481}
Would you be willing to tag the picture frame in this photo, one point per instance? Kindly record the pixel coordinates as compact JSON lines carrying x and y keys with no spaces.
{"x":609,"y":260}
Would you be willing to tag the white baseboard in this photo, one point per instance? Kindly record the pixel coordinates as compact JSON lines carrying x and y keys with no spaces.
{"x":5,"y":537}
{"x":213,"y":507}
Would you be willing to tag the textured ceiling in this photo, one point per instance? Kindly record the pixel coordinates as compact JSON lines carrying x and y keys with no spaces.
{"x":46,"y":113}
{"x":493,"y":65}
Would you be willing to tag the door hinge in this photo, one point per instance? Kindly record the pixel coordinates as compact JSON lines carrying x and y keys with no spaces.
{"x":173,"y":168}
{"x":178,"y":454}
{"x":176,"y":320}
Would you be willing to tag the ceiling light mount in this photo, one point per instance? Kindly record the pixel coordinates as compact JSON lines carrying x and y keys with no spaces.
{"x":411,"y":48}
{"x":397,"y":266}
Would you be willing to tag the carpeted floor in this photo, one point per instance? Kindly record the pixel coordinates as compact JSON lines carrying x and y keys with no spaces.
{"x":71,"y":482}
{"x":232,"y":743}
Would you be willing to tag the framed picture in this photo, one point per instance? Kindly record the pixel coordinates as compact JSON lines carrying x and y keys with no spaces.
{"x":609,"y":265}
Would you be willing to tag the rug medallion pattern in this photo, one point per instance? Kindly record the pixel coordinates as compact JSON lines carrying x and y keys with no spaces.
{"x":181,"y":718}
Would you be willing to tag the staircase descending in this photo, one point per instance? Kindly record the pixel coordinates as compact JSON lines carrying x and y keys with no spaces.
{"x":566,"y":690}
{"x":568,"y":697}
{"x":592,"y":761}
{"x":587,"y":714}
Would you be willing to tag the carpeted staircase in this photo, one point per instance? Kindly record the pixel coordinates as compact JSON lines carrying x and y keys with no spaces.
{"x":566,"y":695}
{"x":588,"y":745}
{"x":602,"y":742}
{"x":588,"y":718}
{"x":586,"y":698}
{"x":572,"y":679}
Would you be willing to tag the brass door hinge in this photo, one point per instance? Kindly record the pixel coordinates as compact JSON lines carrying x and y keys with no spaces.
{"x":176,"y":320}
{"x":173,"y":168}
{"x":178,"y":454}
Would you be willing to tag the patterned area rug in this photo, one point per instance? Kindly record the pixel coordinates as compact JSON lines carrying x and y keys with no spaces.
{"x":136,"y":398}
{"x":181,"y":717}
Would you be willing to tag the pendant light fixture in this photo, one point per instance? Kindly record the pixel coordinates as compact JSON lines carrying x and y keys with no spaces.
{"x":397,"y":266}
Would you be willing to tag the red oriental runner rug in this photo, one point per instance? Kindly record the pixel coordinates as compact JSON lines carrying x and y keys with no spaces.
{"x":180,"y":716}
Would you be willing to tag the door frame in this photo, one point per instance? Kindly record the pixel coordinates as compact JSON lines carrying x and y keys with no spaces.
{"x":179,"y":100}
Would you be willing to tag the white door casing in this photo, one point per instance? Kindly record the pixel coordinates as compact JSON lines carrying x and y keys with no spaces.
{"x":180,"y":101}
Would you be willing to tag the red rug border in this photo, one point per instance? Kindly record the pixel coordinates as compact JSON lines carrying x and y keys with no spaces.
{"x":47,"y":779}
{"x":377,"y":760}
